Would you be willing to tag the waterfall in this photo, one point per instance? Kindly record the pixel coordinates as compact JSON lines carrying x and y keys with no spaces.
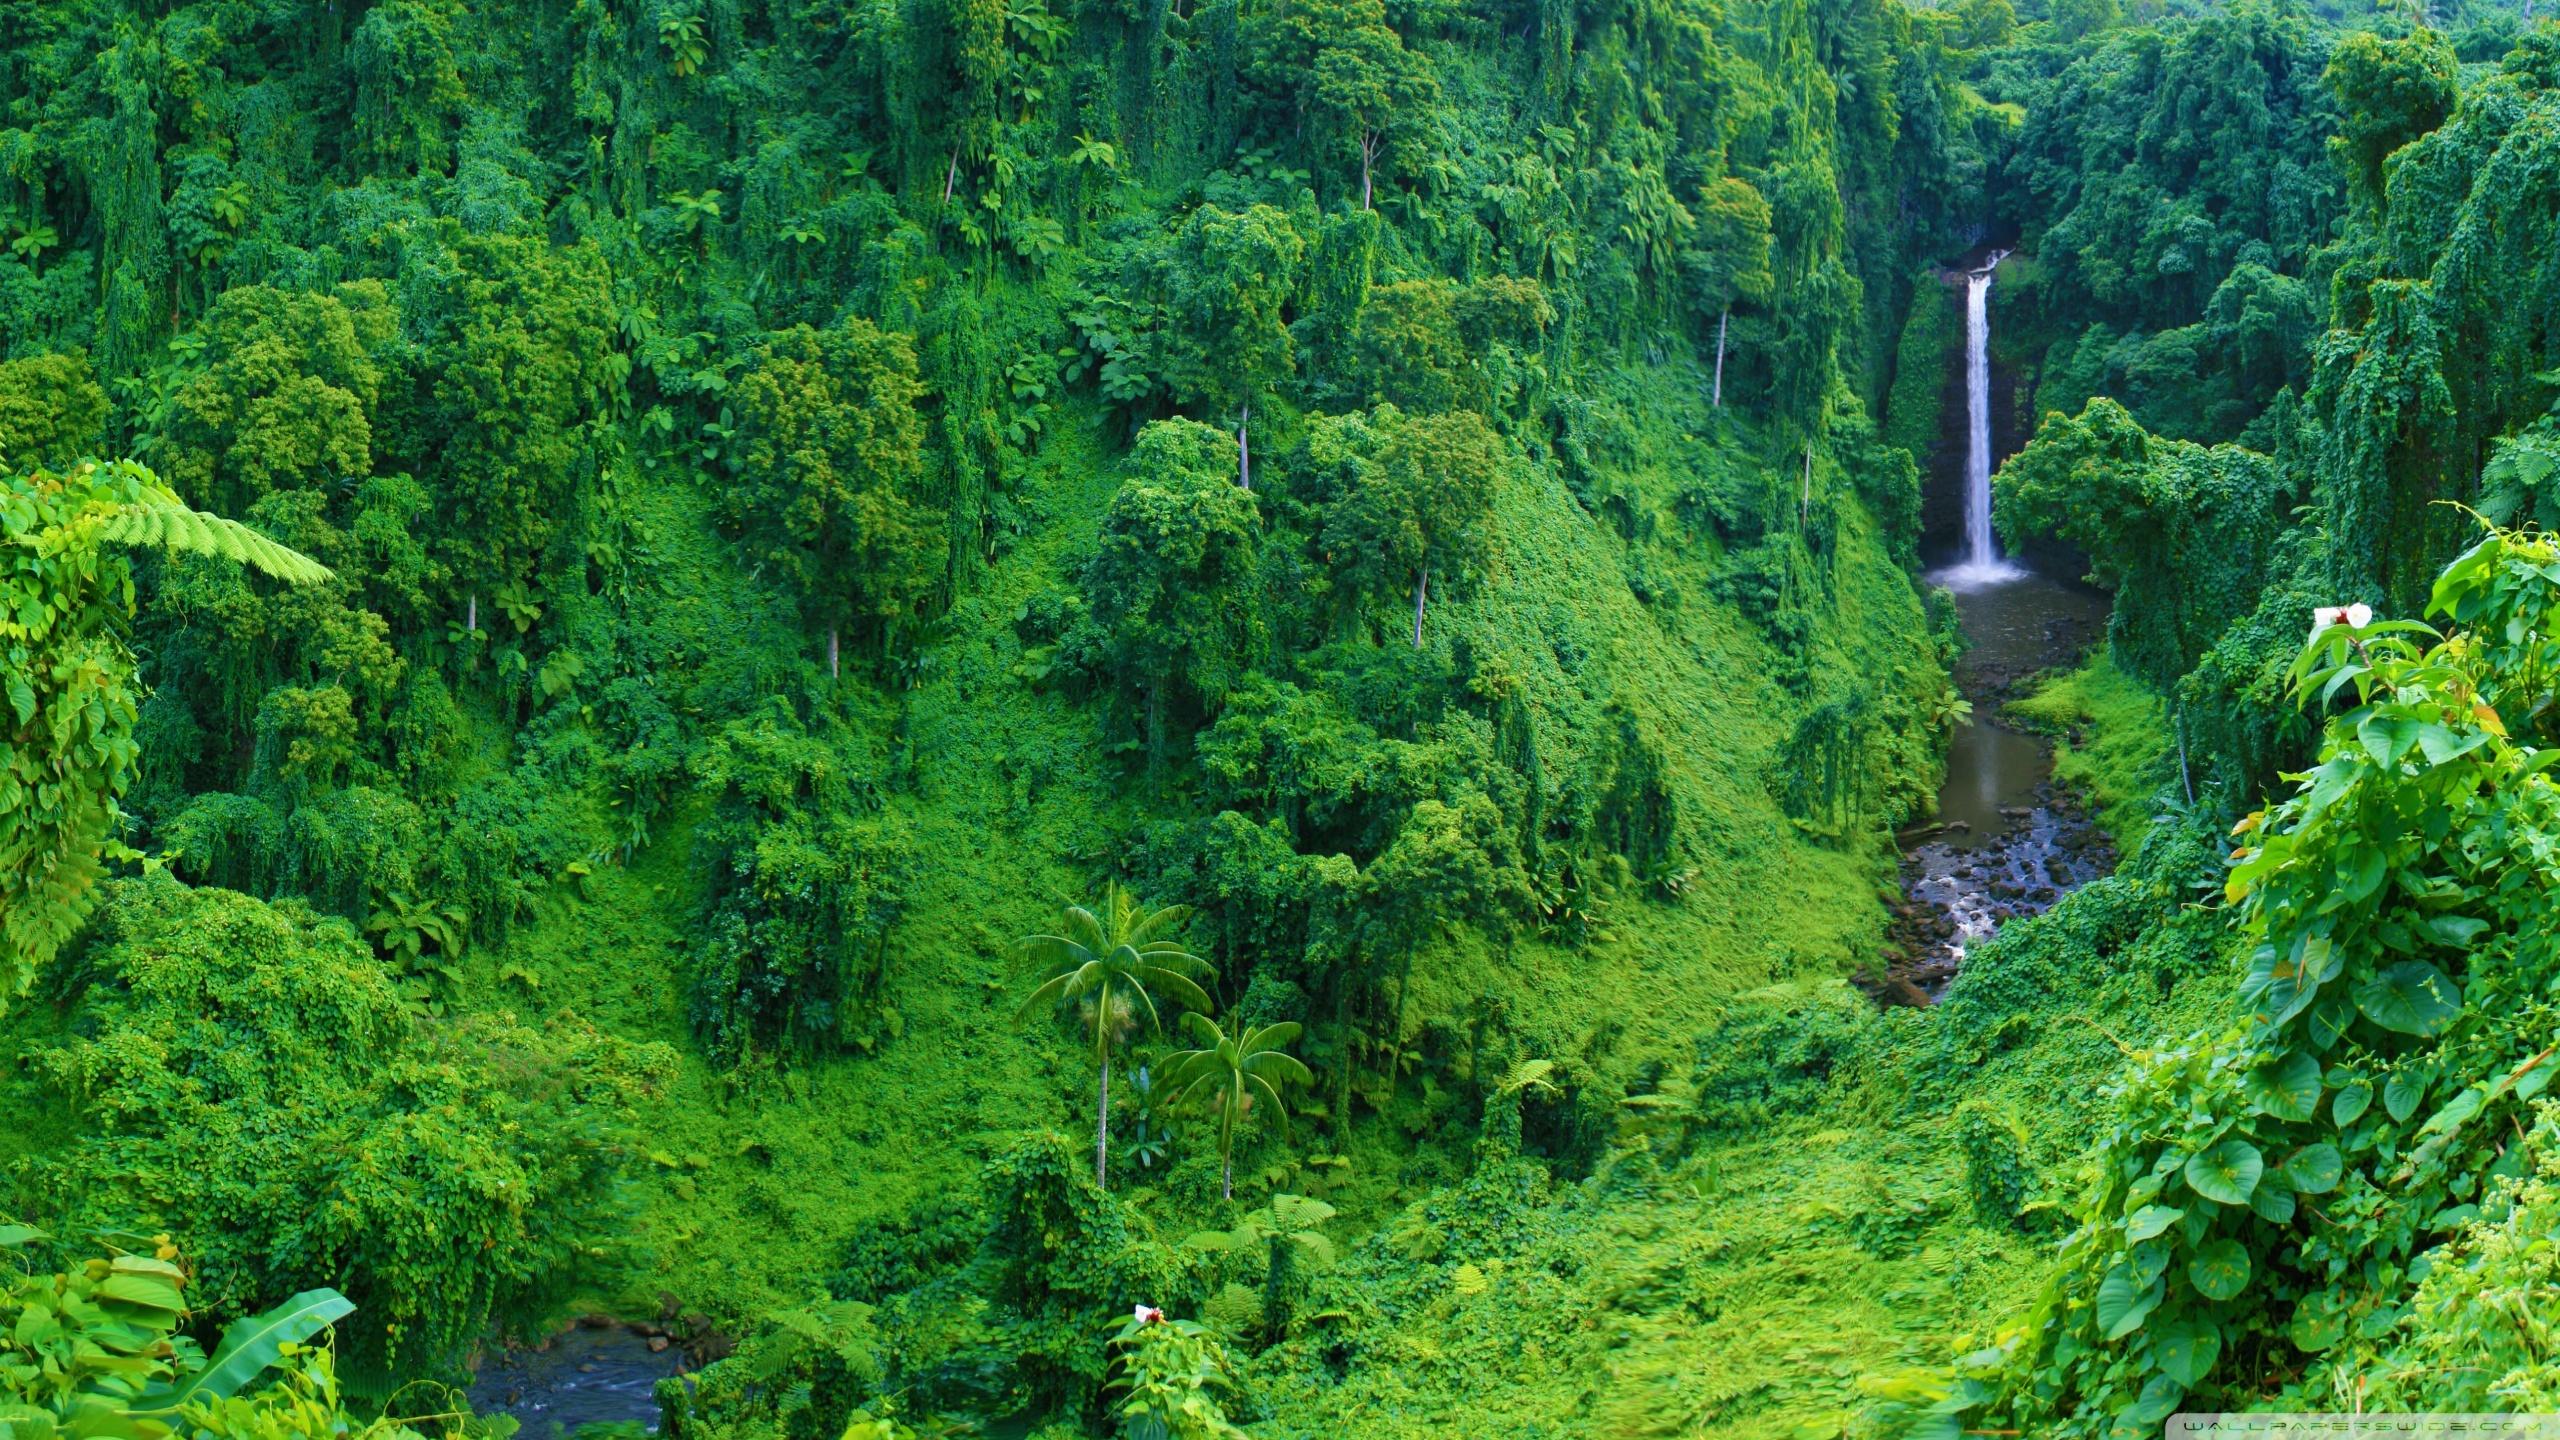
{"x":1981,"y":565}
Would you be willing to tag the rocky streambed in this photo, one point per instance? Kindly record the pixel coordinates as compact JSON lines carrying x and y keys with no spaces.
{"x":2007,"y":839}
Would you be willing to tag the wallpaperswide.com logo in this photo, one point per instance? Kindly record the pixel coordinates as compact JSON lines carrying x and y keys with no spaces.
{"x":2315,"y":1425}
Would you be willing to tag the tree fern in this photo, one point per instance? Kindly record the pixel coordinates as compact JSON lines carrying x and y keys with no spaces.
{"x":67,"y":703}
{"x":162,"y":522}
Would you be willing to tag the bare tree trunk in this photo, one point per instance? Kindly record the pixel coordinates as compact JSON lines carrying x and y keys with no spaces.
{"x":1102,"y":1127}
{"x":1369,"y":147}
{"x":1421,"y":591}
{"x":1804,"y":504}
{"x":952,"y":179}
{"x":1721,"y":322}
{"x":1244,"y":449}
{"x":835,"y":666}
{"x":471,"y":616}
{"x":1227,"y":1176}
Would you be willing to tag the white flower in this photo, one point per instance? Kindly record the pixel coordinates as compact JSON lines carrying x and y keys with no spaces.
{"x":2355,"y":617}
{"x":1147,"y":1315}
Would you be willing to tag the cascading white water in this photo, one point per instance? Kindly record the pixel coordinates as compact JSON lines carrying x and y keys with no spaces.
{"x":1981,"y":565}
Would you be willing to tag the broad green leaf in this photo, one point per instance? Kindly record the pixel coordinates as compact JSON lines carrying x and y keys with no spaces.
{"x":2186,"y":1348}
{"x":2315,"y":1325}
{"x":2272,"y":1201}
{"x":2330,"y":1019}
{"x":2388,"y":737}
{"x":2226,"y":1173}
{"x":2410,"y":998}
{"x":148,"y":1291}
{"x":2158,"y":1401}
{"x":2457,"y":1110}
{"x":2315,"y":1169}
{"x":2288,"y":1089}
{"x":2401,"y":1095}
{"x":2441,"y":745}
{"x":2148,"y":1221}
{"x":2121,"y":1307}
{"x":2220,"y":1269}
{"x":248,"y":1347}
{"x":2457,"y":931}
{"x":2350,"y":1102}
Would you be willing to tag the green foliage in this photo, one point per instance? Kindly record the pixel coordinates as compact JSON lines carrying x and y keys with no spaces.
{"x":2389,"y":92}
{"x":1168,"y":582}
{"x":1169,"y":1373}
{"x":807,"y":882}
{"x":1287,"y":1239}
{"x":798,"y":1379}
{"x":232,"y":1058}
{"x":99,"y":1349}
{"x":2390,"y":952}
{"x":517,"y":363}
{"x":1231,"y":1073}
{"x":828,"y":490}
{"x":1107,"y":967}
{"x":51,"y":411}
{"x":2171,"y":186}
{"x":1997,"y":1176}
{"x":538,"y":329}
{"x":67,"y":753}
{"x":287,"y":398}
{"x":1409,"y":496}
{"x":2111,"y":740}
{"x":2183,"y":535}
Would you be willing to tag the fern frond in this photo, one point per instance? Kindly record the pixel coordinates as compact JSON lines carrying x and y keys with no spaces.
{"x":172,"y":526}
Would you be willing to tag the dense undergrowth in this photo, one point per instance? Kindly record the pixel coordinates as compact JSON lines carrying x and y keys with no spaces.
{"x":781,"y":499}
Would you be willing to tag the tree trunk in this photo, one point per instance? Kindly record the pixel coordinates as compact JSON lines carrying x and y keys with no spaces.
{"x":1421,"y":591}
{"x":1227,"y":1176}
{"x":1369,"y":147}
{"x":952,"y":179}
{"x":1342,"y":1066}
{"x":1804,"y":503}
{"x":1721,"y":322}
{"x":1244,"y":449}
{"x":1102,"y":1128}
{"x":471,"y":616}
{"x":835,"y":667}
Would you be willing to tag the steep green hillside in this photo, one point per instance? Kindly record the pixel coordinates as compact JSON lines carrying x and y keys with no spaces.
{"x":679,"y":537}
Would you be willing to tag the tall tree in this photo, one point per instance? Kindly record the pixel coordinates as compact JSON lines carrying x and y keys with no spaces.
{"x":831,"y":493}
{"x":1166,"y":582}
{"x":1348,"y":78}
{"x":286,"y":397}
{"x":1103,"y":964}
{"x":1232,"y":279}
{"x":1411,"y":496}
{"x":1229,"y":1072}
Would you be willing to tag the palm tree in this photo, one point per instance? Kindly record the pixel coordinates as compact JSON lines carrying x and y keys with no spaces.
{"x":1103,"y":964}
{"x":1227,"y":1071}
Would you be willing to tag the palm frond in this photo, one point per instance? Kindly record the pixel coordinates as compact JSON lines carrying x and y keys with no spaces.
{"x":1272,"y":1037}
{"x":1273,"y":1062}
{"x":1279,"y":1111}
{"x":1059,"y":988}
{"x":1181,"y":986}
{"x":1156,"y":924}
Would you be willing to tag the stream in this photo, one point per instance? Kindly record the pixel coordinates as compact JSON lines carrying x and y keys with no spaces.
{"x":2007,"y":841}
{"x":589,"y":1374}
